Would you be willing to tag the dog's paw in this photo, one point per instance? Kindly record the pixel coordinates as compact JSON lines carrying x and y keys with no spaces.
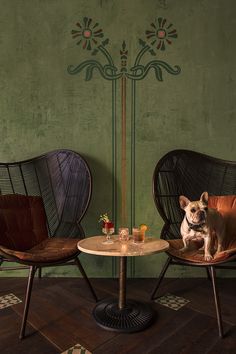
{"x":208,"y":258}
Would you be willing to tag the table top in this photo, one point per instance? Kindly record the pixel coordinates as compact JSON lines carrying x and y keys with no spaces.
{"x":95,"y":245}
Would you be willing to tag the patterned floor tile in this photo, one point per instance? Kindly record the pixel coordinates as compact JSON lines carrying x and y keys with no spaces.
{"x":172,"y":301}
{"x":8,"y":300}
{"x":76,"y":349}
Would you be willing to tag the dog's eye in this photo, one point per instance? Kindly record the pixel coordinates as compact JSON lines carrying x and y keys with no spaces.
{"x":193,"y":210}
{"x":206,"y":208}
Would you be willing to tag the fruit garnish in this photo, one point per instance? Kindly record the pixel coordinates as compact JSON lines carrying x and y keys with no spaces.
{"x":104,"y":218}
{"x":106,"y":223}
{"x":143,"y":227}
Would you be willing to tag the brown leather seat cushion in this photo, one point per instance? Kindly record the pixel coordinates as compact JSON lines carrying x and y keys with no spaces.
{"x":197,"y":255}
{"x":22,"y":221}
{"x":50,"y":250}
{"x":24,"y":234}
{"x":226,"y":205}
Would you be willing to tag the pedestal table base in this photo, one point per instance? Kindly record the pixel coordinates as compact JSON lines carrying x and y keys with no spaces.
{"x":134,"y":317}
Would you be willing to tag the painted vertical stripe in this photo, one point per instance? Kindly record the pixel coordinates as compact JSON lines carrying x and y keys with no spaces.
{"x":123,"y":153}
{"x":132,"y":176}
{"x":114,"y":167}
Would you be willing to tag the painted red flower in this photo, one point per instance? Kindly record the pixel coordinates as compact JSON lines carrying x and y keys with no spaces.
{"x":87,"y":33}
{"x":161,"y":33}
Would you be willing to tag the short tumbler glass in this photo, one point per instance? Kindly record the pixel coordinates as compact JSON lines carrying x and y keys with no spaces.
{"x":123,"y":234}
{"x":138,"y":235}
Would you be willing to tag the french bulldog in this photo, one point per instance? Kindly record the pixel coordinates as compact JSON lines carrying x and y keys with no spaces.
{"x":201,"y":223}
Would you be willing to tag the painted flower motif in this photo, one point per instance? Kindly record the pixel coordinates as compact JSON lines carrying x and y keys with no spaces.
{"x":161,"y":33}
{"x":88,"y":33}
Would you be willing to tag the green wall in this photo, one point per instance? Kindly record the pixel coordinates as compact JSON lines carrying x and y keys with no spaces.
{"x":43,"y":107}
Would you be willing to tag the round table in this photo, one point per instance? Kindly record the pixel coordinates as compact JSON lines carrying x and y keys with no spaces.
{"x":122,"y":315}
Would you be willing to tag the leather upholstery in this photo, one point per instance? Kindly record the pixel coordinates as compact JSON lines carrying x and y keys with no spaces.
{"x":226,"y":205}
{"x":22,"y":221}
{"x":50,"y":250}
{"x":24,"y":235}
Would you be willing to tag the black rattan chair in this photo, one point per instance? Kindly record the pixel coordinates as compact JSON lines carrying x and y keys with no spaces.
{"x":42,"y":203}
{"x":188,"y":173}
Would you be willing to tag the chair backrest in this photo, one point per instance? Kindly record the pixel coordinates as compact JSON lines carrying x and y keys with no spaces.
{"x":188,"y":173}
{"x":22,"y":221}
{"x":62,"y":178}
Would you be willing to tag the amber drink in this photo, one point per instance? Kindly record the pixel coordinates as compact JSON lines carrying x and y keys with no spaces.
{"x":138,"y":235}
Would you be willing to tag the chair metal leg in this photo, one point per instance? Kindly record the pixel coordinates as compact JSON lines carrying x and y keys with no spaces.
{"x":27,"y":300}
{"x":208,"y":274}
{"x":82,"y":271}
{"x":40,"y":272}
{"x":161,"y":276}
{"x":217,"y":302}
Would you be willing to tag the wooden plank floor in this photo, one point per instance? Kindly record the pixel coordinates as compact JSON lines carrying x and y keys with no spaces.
{"x":60,"y":317}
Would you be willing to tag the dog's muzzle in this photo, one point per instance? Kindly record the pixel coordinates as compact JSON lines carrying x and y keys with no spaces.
{"x":196,"y":227}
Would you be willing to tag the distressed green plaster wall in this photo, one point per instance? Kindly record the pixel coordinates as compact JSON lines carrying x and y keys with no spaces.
{"x":42,"y":107}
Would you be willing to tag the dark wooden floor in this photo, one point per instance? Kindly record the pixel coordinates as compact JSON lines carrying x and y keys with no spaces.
{"x":60,"y":317}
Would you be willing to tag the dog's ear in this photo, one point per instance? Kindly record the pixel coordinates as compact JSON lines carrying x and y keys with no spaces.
{"x":204,"y":198}
{"x":183,"y":201}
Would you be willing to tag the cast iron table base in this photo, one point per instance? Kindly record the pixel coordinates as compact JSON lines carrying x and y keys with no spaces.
{"x":134,"y":317}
